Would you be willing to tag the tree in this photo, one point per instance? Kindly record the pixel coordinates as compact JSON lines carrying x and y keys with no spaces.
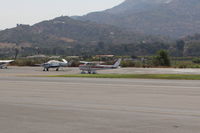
{"x":17,"y":49}
{"x":180,"y":44}
{"x":196,"y":60}
{"x":162,"y":59}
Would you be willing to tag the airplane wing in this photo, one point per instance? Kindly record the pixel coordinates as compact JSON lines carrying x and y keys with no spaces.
{"x":94,"y":62}
{"x":6,"y":61}
{"x":84,"y":62}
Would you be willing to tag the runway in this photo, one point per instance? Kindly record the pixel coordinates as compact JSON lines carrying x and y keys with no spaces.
{"x":81,"y":105}
{"x":35,"y":71}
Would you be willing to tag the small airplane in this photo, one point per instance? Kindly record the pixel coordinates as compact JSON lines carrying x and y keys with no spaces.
{"x":91,"y":67}
{"x":54,"y":64}
{"x":4,"y":63}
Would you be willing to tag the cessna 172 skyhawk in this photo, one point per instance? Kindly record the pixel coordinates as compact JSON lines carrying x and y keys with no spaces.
{"x":91,"y":67}
{"x":54,"y":64}
{"x":4,"y":63}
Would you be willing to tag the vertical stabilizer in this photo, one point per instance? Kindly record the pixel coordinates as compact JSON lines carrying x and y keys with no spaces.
{"x":64,"y":61}
{"x":116,"y":65}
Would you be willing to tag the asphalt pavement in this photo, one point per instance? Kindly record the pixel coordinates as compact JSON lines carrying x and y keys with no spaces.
{"x":80,"y":105}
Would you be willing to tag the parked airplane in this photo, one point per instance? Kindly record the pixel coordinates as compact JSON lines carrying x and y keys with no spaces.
{"x":54,"y":64}
{"x":4,"y":63}
{"x":91,"y":67}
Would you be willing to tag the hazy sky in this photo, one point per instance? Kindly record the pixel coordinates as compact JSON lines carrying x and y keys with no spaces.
{"x":14,"y":12}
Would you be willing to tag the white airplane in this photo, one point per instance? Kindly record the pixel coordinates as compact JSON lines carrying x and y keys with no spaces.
{"x":91,"y":67}
{"x":4,"y":63}
{"x":54,"y":64}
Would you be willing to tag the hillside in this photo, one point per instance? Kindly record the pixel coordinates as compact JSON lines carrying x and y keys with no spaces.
{"x":66,"y":30}
{"x":174,"y":18}
{"x":66,"y":36}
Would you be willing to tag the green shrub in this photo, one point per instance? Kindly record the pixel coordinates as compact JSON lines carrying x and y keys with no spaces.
{"x":187,"y":65}
{"x":196,"y":60}
{"x":29,"y":62}
{"x":162,"y":59}
{"x":128,"y":64}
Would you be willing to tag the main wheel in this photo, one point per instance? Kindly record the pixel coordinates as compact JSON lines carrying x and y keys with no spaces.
{"x":83,"y":72}
{"x":94,"y":72}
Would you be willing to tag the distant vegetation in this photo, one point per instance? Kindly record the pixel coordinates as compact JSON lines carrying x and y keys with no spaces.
{"x":161,"y":59}
{"x":29,"y":62}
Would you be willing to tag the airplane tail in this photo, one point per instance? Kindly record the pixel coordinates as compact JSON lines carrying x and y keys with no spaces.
{"x":116,"y":65}
{"x":64,"y":61}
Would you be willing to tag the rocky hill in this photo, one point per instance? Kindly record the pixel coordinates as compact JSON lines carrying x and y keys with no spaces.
{"x":174,"y":18}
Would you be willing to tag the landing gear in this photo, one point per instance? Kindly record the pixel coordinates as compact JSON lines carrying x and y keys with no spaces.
{"x":83,"y":72}
{"x":46,"y":69}
{"x":3,"y":67}
{"x":90,"y":72}
{"x":94,"y":72}
{"x":57,"y":69}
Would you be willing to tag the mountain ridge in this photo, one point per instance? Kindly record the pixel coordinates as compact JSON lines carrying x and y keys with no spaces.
{"x":174,"y":18}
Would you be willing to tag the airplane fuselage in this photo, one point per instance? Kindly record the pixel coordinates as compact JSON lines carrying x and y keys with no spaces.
{"x":92,"y":67}
{"x":54,"y":64}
